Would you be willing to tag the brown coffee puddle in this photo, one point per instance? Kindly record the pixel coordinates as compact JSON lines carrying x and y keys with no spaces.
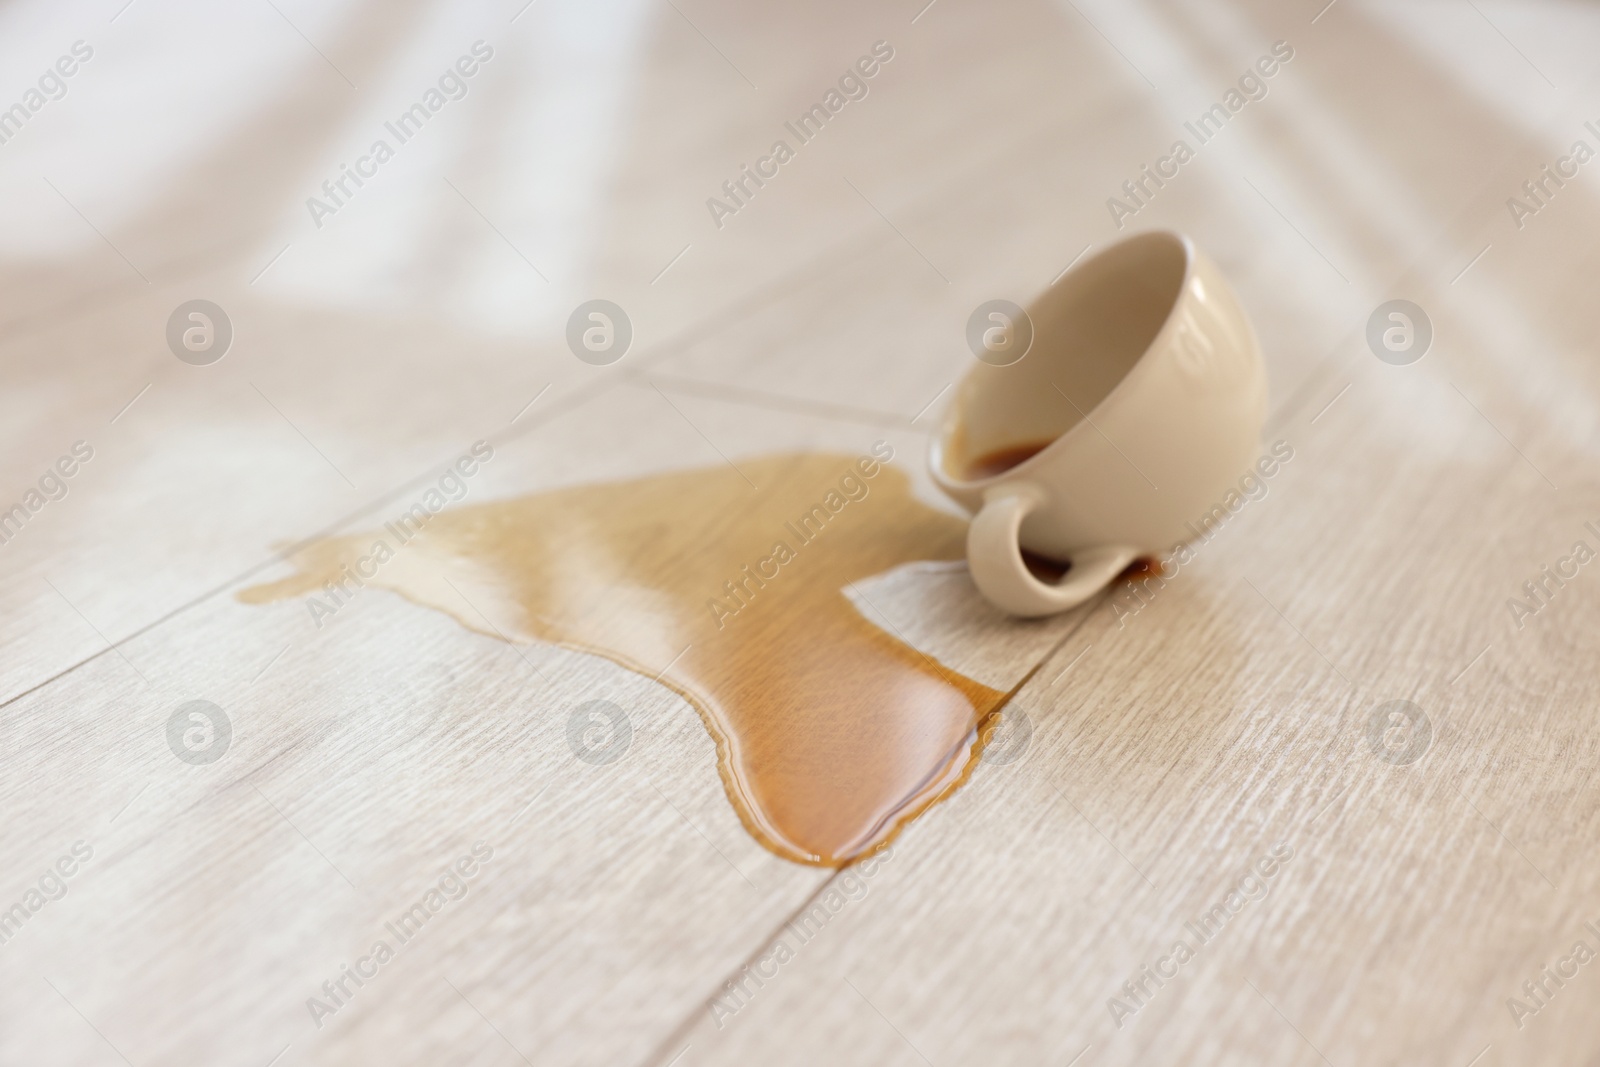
{"x":831,"y":734}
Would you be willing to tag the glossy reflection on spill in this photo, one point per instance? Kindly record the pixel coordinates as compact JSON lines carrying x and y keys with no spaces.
{"x":830,"y":732}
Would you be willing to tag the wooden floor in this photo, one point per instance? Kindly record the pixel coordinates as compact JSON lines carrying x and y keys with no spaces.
{"x":1182,"y":744}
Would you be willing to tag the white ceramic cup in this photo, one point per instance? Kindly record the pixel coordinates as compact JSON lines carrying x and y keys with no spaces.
{"x":1146,"y":381}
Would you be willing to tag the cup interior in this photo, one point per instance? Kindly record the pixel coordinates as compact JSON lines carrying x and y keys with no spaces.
{"x":1090,"y":329}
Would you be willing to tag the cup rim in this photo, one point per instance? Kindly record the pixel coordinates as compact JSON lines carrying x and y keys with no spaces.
{"x":1190,"y":258}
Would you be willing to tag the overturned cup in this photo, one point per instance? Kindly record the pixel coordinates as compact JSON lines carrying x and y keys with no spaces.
{"x":1139,"y":401}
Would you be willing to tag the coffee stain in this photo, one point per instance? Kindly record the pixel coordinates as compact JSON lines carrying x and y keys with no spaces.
{"x":831,"y":734}
{"x":1141,"y":569}
{"x":1051,"y":571}
{"x":1000,"y":460}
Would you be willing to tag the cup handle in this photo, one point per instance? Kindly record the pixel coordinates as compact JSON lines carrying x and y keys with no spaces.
{"x":994,"y":555}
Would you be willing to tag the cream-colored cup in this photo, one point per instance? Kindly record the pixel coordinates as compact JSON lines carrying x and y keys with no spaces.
{"x":1145,"y":379}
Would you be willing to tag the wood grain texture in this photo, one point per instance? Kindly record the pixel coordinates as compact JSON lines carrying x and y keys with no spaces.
{"x":1176,"y":739}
